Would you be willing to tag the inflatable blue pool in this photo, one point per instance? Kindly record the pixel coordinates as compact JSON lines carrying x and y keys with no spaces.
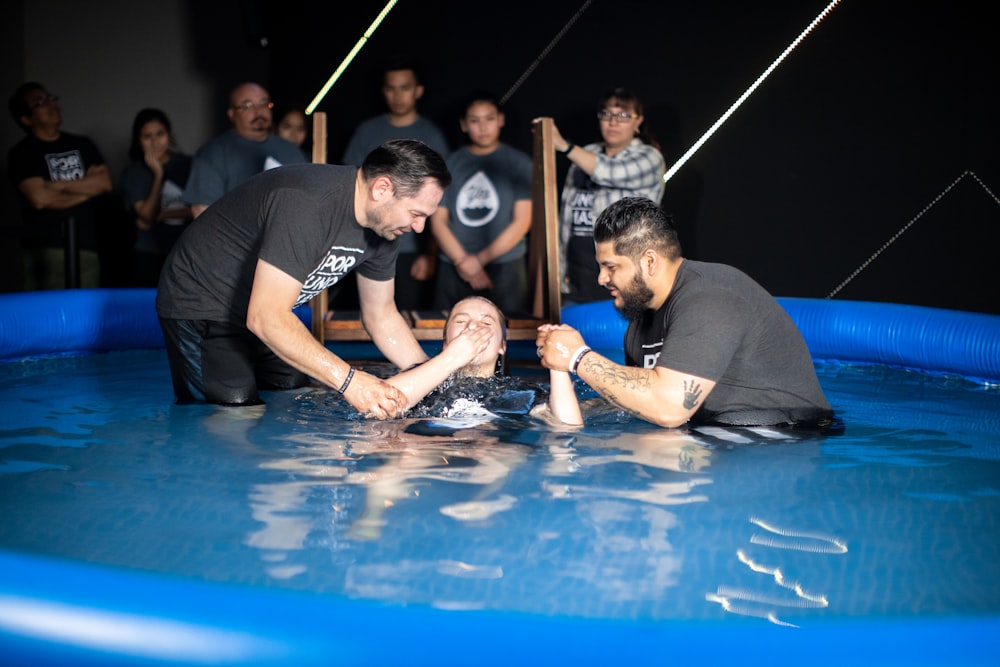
{"x":62,"y":612}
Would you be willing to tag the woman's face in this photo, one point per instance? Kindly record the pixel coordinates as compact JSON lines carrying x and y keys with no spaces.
{"x":154,"y":139}
{"x":293,"y":128}
{"x":619,"y":124}
{"x":481,"y":313}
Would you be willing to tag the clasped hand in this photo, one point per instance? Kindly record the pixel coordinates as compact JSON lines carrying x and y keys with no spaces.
{"x":556,"y":344}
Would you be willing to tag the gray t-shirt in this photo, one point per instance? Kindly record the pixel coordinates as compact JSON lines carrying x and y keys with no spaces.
{"x":481,"y":199}
{"x":719,"y":324}
{"x":229,"y":160}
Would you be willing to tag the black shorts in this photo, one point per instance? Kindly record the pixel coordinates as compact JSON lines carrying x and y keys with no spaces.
{"x":217,"y":362}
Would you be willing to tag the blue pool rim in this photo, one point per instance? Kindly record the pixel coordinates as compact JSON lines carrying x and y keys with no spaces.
{"x":59,"y":612}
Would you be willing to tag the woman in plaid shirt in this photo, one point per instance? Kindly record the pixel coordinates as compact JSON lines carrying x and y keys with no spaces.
{"x":627,"y":163}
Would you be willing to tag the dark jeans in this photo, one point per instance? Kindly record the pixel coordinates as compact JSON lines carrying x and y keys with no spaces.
{"x":221,"y":363}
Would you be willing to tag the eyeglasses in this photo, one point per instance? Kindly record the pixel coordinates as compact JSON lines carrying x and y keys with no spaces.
{"x":621,"y":116}
{"x":42,"y":101}
{"x":250,"y":106}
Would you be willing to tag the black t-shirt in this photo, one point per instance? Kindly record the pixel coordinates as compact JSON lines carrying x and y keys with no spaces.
{"x":299,"y":218}
{"x":581,"y":262}
{"x":720,"y":325}
{"x":66,"y":159}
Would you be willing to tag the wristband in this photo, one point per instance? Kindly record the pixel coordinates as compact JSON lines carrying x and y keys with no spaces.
{"x":574,"y":362}
{"x":347,"y":381}
{"x":569,"y":147}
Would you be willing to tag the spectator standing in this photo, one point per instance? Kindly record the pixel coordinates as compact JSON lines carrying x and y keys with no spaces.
{"x":62,"y":182}
{"x":626,"y":163}
{"x":246,"y":149}
{"x":401,"y":89}
{"x":152,"y":187}
{"x":485,"y":215}
{"x":293,"y":126}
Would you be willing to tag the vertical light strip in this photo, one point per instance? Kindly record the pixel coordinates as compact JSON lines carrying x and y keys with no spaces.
{"x":350,"y":56}
{"x":722,"y":119}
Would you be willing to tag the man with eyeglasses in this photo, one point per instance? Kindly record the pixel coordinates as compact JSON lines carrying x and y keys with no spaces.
{"x":246,"y":149}
{"x":60,"y":178}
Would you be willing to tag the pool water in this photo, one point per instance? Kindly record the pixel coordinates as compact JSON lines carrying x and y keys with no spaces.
{"x":895,"y":515}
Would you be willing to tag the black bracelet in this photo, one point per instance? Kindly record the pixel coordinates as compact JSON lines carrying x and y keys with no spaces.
{"x":574,"y":362}
{"x":569,"y":147}
{"x":347,"y":381}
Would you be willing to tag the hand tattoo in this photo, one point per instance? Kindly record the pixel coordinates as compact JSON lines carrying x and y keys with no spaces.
{"x":692,"y":391}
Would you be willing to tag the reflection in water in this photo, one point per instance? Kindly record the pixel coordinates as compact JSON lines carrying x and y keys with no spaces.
{"x":616,"y":542}
{"x":478,"y":510}
{"x":662,"y":449}
{"x":814,"y":542}
{"x":392,"y":461}
{"x":746,"y":602}
{"x":406,"y":458}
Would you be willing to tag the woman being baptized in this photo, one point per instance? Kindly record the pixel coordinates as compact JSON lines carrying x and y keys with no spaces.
{"x":476,"y":384}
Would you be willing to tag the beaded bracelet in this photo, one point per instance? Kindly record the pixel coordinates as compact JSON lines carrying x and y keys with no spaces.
{"x":574,"y":362}
{"x":347,"y":381}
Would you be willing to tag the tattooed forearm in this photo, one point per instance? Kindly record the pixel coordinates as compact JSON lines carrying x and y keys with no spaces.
{"x":624,"y":377}
{"x":612,"y":397}
{"x":612,"y":380}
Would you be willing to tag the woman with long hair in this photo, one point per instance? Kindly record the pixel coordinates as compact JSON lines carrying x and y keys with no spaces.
{"x":152,"y":187}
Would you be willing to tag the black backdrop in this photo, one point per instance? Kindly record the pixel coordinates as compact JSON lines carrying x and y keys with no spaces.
{"x":876,"y":113}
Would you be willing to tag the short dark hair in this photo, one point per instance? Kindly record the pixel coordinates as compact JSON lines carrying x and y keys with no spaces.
{"x":135,"y":151}
{"x":635,"y":224}
{"x":16,"y":104}
{"x":407,"y":163}
{"x":399,"y":64}
{"x":477,"y":96}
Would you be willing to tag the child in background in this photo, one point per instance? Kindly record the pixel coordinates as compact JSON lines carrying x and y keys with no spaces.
{"x":481,"y":223}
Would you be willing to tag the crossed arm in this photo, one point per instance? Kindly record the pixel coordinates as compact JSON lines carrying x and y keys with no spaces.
{"x":59,"y":195}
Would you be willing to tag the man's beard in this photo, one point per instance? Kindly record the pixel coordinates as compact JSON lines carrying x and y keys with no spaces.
{"x":377,"y":223}
{"x":635,"y":299}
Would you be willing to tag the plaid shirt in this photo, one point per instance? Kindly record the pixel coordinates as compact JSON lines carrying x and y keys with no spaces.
{"x":635,"y":171}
